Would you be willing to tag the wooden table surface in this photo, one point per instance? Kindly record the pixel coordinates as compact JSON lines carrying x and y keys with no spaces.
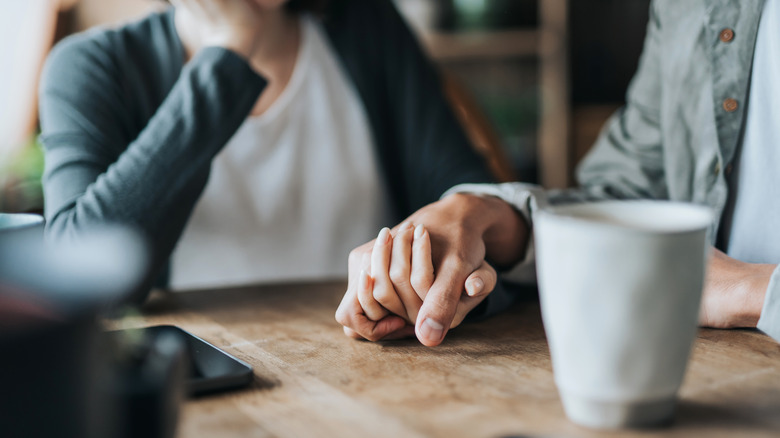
{"x":488,"y":379}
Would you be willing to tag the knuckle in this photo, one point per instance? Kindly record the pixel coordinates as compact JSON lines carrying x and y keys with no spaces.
{"x":399,"y":275}
{"x":421,"y":281}
{"x":351,"y":333}
{"x":382,"y":295}
{"x":355,"y":256}
{"x":372,"y":335}
{"x":459,"y":261}
{"x":365,"y":298}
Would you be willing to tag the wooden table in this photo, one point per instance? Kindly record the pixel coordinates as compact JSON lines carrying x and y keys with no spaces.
{"x":488,"y":379}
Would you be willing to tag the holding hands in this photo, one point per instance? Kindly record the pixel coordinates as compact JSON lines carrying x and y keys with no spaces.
{"x":424,"y":276}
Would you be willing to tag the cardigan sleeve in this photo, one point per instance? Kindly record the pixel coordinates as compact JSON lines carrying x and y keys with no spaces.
{"x":99,"y":171}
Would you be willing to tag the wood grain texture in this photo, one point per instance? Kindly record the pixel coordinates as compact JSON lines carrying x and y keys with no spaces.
{"x":488,"y":379}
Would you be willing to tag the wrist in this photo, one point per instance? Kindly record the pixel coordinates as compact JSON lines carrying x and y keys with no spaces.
{"x":503,"y":229}
{"x":755,"y":284}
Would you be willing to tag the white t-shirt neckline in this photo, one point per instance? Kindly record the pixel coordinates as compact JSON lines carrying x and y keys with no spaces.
{"x":294,"y":190}
{"x":300,"y":71}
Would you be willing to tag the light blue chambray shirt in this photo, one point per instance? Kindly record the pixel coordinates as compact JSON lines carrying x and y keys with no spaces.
{"x":682,"y":125}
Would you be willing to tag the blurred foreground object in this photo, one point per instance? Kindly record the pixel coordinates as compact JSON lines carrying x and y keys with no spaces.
{"x":58,"y":376}
{"x":27,"y":33}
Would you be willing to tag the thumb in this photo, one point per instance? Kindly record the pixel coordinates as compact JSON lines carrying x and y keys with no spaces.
{"x":482,"y":281}
{"x":439,"y":306}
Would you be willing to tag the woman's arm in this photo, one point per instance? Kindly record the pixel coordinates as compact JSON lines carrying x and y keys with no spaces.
{"x":100,"y":169}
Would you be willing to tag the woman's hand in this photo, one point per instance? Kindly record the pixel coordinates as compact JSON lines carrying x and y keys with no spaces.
{"x":232,"y":24}
{"x":359,"y":312}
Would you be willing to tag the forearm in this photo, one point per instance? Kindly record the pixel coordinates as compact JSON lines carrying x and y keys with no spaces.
{"x":152,"y":183}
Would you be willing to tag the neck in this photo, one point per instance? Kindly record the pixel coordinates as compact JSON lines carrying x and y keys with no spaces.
{"x":278,"y":41}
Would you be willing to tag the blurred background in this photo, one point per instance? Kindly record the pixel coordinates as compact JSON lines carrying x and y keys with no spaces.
{"x":533,"y":81}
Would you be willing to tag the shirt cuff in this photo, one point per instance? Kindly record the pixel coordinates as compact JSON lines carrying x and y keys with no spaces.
{"x":525,"y":198}
{"x":769,"y":322}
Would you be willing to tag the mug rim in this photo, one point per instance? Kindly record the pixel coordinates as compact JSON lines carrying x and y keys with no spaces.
{"x":19,"y":221}
{"x":585,"y":214}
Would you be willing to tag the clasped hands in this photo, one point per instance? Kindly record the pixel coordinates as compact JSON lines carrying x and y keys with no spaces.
{"x":392,"y":291}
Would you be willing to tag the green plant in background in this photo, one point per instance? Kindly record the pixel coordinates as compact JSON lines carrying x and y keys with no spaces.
{"x":20,"y":179}
{"x":470,"y":13}
{"x":488,"y":14}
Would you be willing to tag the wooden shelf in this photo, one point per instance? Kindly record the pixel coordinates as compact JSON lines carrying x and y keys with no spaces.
{"x":482,"y":45}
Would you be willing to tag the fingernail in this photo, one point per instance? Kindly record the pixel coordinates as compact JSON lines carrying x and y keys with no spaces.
{"x":418,"y":231}
{"x":405,"y":226}
{"x":383,"y":237}
{"x":431,"y":330}
{"x":476,"y":287}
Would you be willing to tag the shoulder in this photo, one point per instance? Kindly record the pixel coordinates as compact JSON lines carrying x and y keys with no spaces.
{"x":84,"y":54}
{"x":102,"y":55}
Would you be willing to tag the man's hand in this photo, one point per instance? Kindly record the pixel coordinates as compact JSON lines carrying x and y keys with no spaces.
{"x":463,"y":231}
{"x":734,"y":292}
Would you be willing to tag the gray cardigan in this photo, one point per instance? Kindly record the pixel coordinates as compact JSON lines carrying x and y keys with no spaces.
{"x":130,"y":130}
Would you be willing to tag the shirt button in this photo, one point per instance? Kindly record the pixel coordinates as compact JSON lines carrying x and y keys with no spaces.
{"x":716,"y":169}
{"x":726,"y":35}
{"x":730,"y":105}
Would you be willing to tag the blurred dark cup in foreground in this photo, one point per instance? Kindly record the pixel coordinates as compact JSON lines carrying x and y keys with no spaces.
{"x":59,"y":374}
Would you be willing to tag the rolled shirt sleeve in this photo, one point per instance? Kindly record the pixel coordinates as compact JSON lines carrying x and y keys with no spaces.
{"x":769,"y":322}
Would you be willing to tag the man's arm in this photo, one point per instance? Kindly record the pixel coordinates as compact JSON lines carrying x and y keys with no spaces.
{"x":739,"y":294}
{"x":627,"y":162}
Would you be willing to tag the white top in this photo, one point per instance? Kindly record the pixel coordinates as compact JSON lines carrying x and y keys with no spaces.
{"x":294,"y":190}
{"x":754,"y":234}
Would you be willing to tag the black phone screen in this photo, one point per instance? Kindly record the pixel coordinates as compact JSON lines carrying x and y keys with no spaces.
{"x":210,"y":370}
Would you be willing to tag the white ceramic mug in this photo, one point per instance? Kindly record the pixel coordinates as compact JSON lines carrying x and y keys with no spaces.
{"x":620,"y":286}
